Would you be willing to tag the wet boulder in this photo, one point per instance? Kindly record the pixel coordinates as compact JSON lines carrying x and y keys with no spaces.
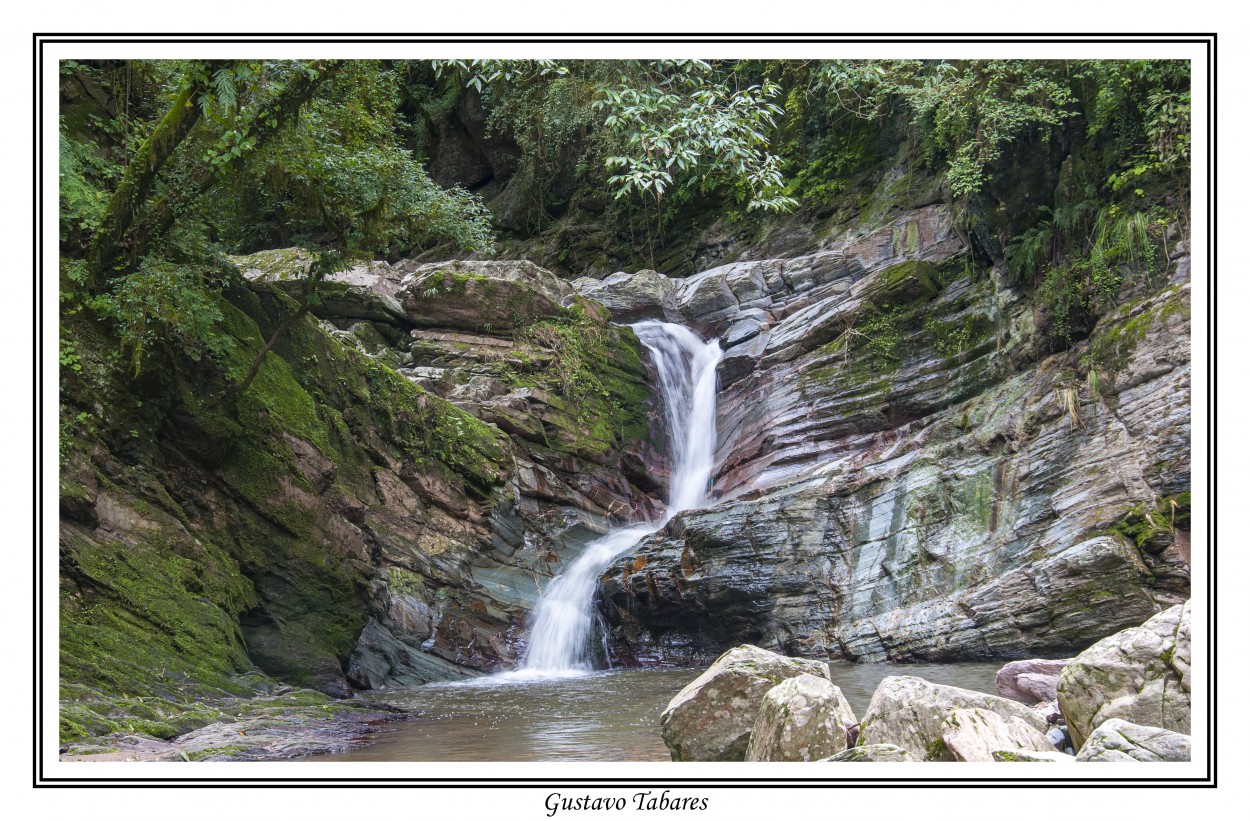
{"x":711,"y":719}
{"x":805,"y":718}
{"x":482,"y":296}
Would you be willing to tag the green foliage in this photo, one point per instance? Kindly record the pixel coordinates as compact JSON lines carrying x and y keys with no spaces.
{"x":85,"y":176}
{"x":697,"y":133}
{"x":964,"y":113}
{"x":337,"y":176}
{"x":1084,"y":274}
{"x":1142,"y":525}
{"x":952,"y":339}
{"x":164,"y":303}
{"x":340,"y":177}
{"x":652,"y":126}
{"x":1140,"y":109}
{"x":880,"y":333}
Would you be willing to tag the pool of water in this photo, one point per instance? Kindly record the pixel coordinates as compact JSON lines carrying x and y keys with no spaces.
{"x":606,"y":716}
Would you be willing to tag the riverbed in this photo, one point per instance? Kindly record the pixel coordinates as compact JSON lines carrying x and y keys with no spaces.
{"x":612,"y":715}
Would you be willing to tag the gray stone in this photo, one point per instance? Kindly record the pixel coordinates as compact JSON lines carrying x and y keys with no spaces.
{"x":1140,"y":675}
{"x":712,"y":717}
{"x":1049,"y":711}
{"x":381,"y":660}
{"x":1119,"y":740}
{"x":873,"y":752}
{"x":481,"y":296}
{"x":805,"y":718}
{"x":974,"y":734}
{"x":642,"y":295}
{"x":911,"y":713}
{"x":1030,"y":755}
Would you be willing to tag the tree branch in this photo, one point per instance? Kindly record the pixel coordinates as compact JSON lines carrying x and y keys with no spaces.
{"x":137,"y":180}
{"x":268,"y":123}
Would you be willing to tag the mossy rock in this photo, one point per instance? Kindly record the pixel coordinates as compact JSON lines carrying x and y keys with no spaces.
{"x":908,"y":282}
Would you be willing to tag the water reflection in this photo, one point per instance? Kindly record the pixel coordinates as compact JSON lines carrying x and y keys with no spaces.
{"x":607,"y":716}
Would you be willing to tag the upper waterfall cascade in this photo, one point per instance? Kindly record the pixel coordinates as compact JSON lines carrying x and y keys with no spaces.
{"x":564,"y":617}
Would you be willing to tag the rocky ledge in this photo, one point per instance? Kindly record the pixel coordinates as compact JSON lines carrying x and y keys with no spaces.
{"x":288,"y":723}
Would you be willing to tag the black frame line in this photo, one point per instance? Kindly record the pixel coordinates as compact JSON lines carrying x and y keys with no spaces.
{"x":39,"y":780}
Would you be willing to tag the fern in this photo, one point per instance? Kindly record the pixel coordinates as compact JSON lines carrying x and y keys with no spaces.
{"x":225,"y":90}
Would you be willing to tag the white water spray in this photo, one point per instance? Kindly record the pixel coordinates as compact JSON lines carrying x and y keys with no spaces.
{"x":564,"y":617}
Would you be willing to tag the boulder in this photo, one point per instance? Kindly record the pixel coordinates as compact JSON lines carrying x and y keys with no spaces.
{"x":1030,"y":682}
{"x":974,"y":735}
{"x":1140,"y":674}
{"x":805,"y":718}
{"x":381,"y":659}
{"x":482,"y":296}
{"x":631,"y":297}
{"x":712,"y":717}
{"x":1030,"y":755}
{"x":1119,"y":740}
{"x":910,"y":712}
{"x":1049,"y":711}
{"x":363,"y":292}
{"x":872,"y":752}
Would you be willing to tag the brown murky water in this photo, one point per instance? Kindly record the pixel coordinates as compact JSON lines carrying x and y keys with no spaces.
{"x":608,"y":716}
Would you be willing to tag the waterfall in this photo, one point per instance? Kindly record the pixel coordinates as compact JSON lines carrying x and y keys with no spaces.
{"x":563,"y":618}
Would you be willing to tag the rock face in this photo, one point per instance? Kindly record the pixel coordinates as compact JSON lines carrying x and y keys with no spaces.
{"x":712,"y":717}
{"x":1030,"y":682}
{"x":1139,"y":675}
{"x":872,"y":752}
{"x":912,"y":713}
{"x":902,"y":476}
{"x":1119,"y":740}
{"x":975,"y":734}
{"x":805,"y":718}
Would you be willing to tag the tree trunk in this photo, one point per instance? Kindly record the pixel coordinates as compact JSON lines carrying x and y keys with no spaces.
{"x":268,"y":123}
{"x":114,"y":234}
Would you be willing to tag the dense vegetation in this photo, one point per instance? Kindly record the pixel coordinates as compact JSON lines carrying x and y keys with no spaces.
{"x":167,"y":165}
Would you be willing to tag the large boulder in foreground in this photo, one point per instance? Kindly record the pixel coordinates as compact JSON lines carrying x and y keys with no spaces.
{"x":1140,"y":675}
{"x":872,"y":752}
{"x":1032,"y":681}
{"x":1119,"y":740}
{"x":974,"y":735}
{"x":911,"y":713}
{"x":712,"y":717}
{"x":801,"y":719}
